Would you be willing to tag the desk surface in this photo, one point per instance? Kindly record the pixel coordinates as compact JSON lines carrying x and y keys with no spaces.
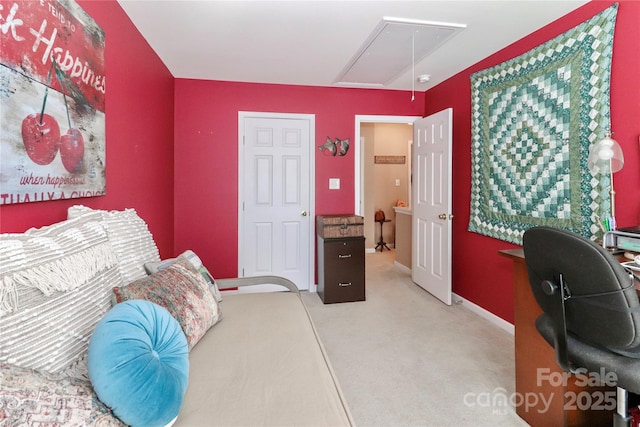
{"x":512,"y":253}
{"x":517,"y":255}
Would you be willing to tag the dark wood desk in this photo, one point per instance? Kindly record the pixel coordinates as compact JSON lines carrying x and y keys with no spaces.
{"x":536,"y":365}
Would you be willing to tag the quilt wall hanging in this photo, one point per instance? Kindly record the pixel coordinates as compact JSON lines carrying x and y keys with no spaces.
{"x":534,"y":118}
{"x":52,"y":102}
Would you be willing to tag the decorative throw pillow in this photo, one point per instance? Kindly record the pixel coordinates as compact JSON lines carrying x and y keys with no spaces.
{"x":56,"y":285}
{"x":130,"y":238}
{"x":189,"y":255}
{"x":28,"y":396}
{"x":139,"y":363}
{"x":180,"y":289}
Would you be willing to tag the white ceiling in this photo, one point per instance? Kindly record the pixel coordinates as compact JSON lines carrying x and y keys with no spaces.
{"x":310,"y":42}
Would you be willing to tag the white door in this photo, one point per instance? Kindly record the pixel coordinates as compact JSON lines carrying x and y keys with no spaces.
{"x":431,"y":242}
{"x":276,"y":195}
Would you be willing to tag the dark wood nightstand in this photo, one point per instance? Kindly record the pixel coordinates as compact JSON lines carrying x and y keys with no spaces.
{"x":341,"y":273}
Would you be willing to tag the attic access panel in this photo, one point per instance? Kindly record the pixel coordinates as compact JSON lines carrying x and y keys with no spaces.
{"x":392,"y":48}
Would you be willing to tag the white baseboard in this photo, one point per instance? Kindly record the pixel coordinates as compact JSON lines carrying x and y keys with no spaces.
{"x":402,"y":267}
{"x":373,"y":250}
{"x":498,"y":321}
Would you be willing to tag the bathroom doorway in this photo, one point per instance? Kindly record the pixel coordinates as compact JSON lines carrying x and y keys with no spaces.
{"x":382,"y":173}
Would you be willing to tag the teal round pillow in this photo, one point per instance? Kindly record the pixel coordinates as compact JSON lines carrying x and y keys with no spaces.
{"x":139,"y":363}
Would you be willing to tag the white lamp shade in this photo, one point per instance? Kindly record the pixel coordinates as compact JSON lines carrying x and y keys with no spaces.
{"x":605,"y":155}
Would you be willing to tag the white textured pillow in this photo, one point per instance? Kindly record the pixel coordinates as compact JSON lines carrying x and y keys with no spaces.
{"x":56,"y":285}
{"x":130,"y":237}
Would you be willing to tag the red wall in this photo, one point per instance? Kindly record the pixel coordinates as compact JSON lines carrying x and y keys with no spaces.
{"x":139,"y":135}
{"x":206,"y":153}
{"x":198,"y":209}
{"x":479,"y":274}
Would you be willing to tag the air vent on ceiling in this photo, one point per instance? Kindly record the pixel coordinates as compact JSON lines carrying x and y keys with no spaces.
{"x":394,"y":46}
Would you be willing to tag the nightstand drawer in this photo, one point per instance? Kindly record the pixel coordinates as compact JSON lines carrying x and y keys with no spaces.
{"x":344,"y":252}
{"x":343,"y":287}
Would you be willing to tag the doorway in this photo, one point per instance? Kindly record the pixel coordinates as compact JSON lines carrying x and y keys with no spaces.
{"x":389,"y":178}
{"x":431,"y":188}
{"x":276,"y":196}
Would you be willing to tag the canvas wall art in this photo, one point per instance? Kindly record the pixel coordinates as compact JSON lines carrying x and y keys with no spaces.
{"x":52,"y":102}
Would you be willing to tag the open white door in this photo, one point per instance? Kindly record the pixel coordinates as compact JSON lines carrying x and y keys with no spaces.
{"x":276,"y":196}
{"x":431,"y":241}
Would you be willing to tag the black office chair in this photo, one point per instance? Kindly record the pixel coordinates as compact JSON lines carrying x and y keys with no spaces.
{"x":591,"y":310}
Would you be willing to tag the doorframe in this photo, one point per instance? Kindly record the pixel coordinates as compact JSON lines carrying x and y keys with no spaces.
{"x":359,"y":152}
{"x":242,"y":116}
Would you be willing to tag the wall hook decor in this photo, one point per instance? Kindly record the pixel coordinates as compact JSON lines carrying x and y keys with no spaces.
{"x":332,"y":148}
{"x":328,"y":148}
{"x":342,"y":146}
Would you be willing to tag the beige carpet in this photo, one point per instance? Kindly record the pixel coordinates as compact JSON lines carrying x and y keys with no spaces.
{"x":405,"y":359}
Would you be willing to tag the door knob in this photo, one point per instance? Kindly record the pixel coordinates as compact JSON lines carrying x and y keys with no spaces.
{"x":442,"y":216}
{"x":303,"y":213}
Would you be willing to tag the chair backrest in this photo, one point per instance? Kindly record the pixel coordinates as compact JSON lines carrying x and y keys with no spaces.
{"x":603,"y":308}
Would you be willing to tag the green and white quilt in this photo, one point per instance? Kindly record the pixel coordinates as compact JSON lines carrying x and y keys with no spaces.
{"x":533,"y":120}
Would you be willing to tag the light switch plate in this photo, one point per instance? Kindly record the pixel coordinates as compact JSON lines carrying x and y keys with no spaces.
{"x":334,"y":183}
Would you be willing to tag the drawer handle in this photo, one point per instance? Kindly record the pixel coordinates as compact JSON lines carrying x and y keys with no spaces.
{"x":344,"y":256}
{"x":344,"y":284}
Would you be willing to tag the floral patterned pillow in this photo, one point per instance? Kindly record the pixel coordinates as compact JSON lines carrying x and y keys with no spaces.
{"x":51,"y":399}
{"x":155,"y":266}
{"x":181,"y":289}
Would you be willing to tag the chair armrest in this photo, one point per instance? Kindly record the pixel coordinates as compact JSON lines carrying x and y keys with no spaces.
{"x":257,"y":280}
